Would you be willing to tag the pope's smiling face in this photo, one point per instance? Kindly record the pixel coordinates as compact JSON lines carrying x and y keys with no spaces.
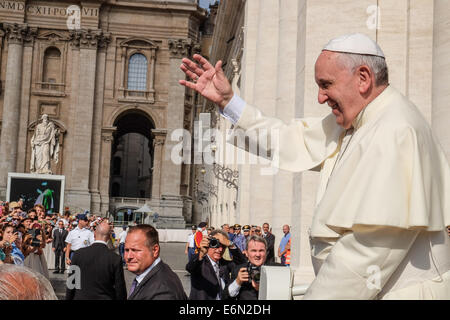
{"x":338,"y":87}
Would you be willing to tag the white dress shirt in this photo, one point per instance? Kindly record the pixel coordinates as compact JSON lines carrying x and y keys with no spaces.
{"x":80,"y":238}
{"x":141,"y":277}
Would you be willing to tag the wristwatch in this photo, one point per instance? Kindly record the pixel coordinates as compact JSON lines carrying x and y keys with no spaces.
{"x":7,"y":243}
{"x":231,"y":245}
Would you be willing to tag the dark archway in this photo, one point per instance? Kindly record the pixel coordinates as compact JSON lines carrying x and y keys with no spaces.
{"x":132,"y":156}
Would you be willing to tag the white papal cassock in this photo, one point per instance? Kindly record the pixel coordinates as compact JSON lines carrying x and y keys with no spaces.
{"x":378,"y":230}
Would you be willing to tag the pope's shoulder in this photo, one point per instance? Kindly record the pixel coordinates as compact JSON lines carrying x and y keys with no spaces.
{"x":402,"y":117}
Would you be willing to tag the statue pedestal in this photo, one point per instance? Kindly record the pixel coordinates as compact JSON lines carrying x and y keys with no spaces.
{"x":45,"y":189}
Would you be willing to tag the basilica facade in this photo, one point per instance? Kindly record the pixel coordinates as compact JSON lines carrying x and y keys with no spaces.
{"x":106,"y":73}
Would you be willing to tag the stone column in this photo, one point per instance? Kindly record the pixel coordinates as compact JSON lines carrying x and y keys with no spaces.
{"x":22,"y":165}
{"x":159,"y":137}
{"x":264,"y":95}
{"x":79,"y":195}
{"x":15,"y":34}
{"x":123,"y":76}
{"x":96,"y":161}
{"x":178,"y":48}
{"x":105,"y":166}
{"x":441,"y":74}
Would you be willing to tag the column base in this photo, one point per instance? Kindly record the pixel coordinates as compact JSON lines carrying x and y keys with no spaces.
{"x":77,"y":201}
{"x":96,"y":203}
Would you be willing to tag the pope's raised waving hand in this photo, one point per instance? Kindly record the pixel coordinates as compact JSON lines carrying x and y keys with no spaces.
{"x":207,"y":80}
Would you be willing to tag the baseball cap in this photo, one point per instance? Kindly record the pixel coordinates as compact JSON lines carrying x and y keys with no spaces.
{"x":82,"y":216}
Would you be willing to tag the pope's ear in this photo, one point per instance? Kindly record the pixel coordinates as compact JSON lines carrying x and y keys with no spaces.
{"x":365,"y":78}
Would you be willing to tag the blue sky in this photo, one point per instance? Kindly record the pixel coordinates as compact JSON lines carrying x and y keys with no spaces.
{"x":205,"y":3}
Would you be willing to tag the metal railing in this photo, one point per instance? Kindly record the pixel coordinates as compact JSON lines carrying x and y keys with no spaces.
{"x":130,"y":201}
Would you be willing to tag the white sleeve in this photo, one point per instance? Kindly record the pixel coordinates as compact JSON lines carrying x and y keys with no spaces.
{"x":233,"y":289}
{"x":233,"y":110}
{"x":361,"y":262}
{"x":69,"y":237}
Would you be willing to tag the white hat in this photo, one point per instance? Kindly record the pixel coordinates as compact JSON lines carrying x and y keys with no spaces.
{"x":354,"y":43}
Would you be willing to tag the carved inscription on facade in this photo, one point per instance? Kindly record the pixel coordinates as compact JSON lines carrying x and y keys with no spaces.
{"x":38,"y":10}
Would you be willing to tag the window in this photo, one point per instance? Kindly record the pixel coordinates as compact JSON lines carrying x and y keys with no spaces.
{"x":137,"y":72}
{"x":52,"y":68}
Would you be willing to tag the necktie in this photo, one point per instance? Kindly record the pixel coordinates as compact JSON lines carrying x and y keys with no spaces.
{"x":217,"y":269}
{"x":133,"y":286}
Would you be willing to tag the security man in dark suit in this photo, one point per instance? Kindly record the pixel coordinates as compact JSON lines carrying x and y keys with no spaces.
{"x":58,"y":246}
{"x":154,"y":279}
{"x":270,"y":238}
{"x":244,"y":284}
{"x":210,"y":273}
{"x":99,"y":268}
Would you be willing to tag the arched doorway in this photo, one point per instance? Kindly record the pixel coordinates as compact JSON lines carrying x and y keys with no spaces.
{"x":132,"y":156}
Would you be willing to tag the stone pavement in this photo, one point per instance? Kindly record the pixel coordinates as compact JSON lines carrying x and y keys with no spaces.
{"x":171,"y":253}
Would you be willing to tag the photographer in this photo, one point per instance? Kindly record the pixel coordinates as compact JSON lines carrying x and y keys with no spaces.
{"x":245,"y":277}
{"x":33,"y":245}
{"x":210,"y":273}
{"x":8,"y":244}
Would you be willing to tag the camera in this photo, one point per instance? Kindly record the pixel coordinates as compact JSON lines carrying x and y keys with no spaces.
{"x":35,"y":242}
{"x":254,"y":273}
{"x":214,"y":243}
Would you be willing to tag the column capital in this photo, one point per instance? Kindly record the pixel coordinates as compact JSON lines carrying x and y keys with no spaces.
{"x":104,"y":40}
{"x":15,"y":32}
{"x":159,"y":136}
{"x":180,"y":48}
{"x":89,"y":39}
{"x":30,"y":36}
{"x":108,"y":134}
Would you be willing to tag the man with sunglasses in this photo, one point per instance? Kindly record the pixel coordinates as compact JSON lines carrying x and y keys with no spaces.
{"x":210,"y":273}
{"x":239,"y":238}
{"x":59,"y":247}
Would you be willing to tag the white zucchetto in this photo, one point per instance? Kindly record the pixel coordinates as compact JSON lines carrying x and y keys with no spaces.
{"x":354,"y":43}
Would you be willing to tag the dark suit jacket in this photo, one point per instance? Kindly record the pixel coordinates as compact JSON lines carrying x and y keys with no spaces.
{"x":247,"y":292}
{"x":59,"y":239}
{"x":270,"y":238}
{"x":204,"y":282}
{"x":161,"y":283}
{"x":101,"y":273}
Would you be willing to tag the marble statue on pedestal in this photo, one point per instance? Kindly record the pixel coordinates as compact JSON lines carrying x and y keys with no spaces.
{"x":44,"y":146}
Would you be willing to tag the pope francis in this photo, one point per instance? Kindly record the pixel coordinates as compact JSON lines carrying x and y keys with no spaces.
{"x":379,"y":227}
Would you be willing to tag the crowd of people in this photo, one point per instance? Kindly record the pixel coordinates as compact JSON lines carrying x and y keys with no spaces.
{"x":223,"y":263}
{"x":34,"y":238}
{"x":240,"y":235}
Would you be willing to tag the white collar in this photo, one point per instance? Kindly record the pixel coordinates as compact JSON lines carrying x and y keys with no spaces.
{"x":213,"y":262}
{"x":100,"y":241}
{"x":141,"y":277}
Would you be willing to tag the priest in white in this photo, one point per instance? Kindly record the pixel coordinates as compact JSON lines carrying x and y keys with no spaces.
{"x":379,"y":227}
